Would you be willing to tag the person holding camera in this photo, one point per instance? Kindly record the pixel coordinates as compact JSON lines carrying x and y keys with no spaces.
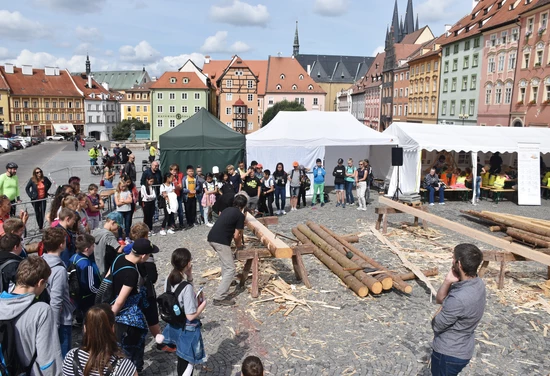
{"x":432,"y":184}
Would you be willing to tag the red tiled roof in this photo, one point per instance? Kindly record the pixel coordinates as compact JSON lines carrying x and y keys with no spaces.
{"x":3,"y":83}
{"x":375,"y":70}
{"x":215,"y":68}
{"x":291,"y":70}
{"x":39,"y":84}
{"x":239,"y":102}
{"x":164,"y":81}
{"x":145,"y":87}
{"x":505,"y":15}
{"x":432,"y":52}
{"x":412,"y":37}
{"x":100,"y":93}
{"x":403,"y":51}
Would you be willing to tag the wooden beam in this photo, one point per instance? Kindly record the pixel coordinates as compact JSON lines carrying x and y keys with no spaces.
{"x":248,"y":254}
{"x":276,"y":246}
{"x":266,"y":221}
{"x":470,"y":232}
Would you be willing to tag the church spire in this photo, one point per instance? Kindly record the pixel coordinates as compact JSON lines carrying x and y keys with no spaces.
{"x":296,"y":46}
{"x":409,"y":18}
{"x":88,"y":65}
{"x":395,"y":24}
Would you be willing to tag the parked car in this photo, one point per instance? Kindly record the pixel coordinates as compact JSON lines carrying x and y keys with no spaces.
{"x":35,"y":140}
{"x":16,"y":145}
{"x":22,"y":141}
{"x":5,"y":144}
{"x":55,"y":137}
{"x":89,"y":139}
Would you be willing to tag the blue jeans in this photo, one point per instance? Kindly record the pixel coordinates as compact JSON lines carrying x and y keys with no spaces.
{"x":127,"y":216}
{"x":431,"y":191}
{"x":349,"y":192}
{"x":478,"y":186}
{"x":180,"y":211}
{"x":280,"y":194}
{"x":445,"y":365}
{"x":65,"y":338}
{"x":199,"y":200}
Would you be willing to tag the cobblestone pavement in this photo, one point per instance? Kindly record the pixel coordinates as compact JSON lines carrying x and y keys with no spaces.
{"x":389,"y":334}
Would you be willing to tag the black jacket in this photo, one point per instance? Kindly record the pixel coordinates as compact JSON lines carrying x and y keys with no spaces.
{"x":32,"y":190}
{"x":8,"y":273}
{"x":130,"y":170}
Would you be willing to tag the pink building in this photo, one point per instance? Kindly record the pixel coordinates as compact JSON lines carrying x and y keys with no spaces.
{"x":501,"y":36}
{"x":531,"y":98}
{"x":373,"y":87}
{"x":287,"y":80}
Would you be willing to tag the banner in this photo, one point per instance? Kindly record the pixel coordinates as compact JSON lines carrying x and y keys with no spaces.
{"x":528,"y":174}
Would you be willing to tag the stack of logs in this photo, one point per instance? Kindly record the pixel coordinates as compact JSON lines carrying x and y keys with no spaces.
{"x":530,"y":231}
{"x":349,"y":263}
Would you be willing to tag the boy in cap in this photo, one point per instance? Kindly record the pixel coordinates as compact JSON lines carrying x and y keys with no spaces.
{"x":106,"y":244}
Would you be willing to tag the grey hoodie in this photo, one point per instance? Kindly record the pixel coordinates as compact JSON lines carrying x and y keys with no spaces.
{"x":103,"y":238}
{"x":60,"y":300}
{"x":34,"y":331}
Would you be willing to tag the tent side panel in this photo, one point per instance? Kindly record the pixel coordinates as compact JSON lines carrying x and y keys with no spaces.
{"x":270,"y":156}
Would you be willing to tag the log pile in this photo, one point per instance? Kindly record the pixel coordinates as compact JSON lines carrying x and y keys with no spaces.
{"x":357,"y":271}
{"x":525,"y":230}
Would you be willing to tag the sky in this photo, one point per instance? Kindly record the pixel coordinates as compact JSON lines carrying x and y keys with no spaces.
{"x":163,"y":34}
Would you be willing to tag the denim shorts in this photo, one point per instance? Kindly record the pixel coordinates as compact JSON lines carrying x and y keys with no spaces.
{"x":338,"y":187}
{"x":294,"y":191}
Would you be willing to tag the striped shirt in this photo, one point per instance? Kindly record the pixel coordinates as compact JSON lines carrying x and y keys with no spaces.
{"x":125,"y":367}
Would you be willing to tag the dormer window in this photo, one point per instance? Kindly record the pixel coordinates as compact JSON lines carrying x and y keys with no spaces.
{"x":278,"y":87}
{"x":172,"y":80}
{"x":310,"y":87}
{"x":185,"y":80}
{"x":301,"y":77}
{"x":282,"y":76}
{"x":294,"y":87}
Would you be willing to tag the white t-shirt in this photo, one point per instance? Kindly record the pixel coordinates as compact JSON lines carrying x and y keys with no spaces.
{"x":166,"y":188}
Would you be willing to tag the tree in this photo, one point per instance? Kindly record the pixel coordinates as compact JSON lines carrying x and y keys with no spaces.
{"x":122,"y":130}
{"x":281,"y":106}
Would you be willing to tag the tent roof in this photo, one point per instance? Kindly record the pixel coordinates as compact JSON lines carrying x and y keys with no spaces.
{"x":315,"y":128}
{"x":467,"y":138}
{"x":202,"y":131}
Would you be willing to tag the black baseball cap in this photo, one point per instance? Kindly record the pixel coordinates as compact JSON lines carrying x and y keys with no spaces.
{"x":144,"y":247}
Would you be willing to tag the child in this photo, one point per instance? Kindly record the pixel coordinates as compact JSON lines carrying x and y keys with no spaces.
{"x":60,"y":300}
{"x":106,"y":244}
{"x":318,"y":183}
{"x":95,"y":205}
{"x":165,"y":189}
{"x":460,"y":181}
{"x":209,"y":197}
{"x":268,"y":189}
{"x":188,"y":340}
{"x":82,"y":207}
{"x":10,"y":251}
{"x":123,"y":201}
{"x":87,"y":271}
{"x":16,"y":227}
{"x":33,"y":321}
{"x":148,"y":198}
{"x":500,"y":180}
{"x":67,"y":221}
{"x":252,"y":366}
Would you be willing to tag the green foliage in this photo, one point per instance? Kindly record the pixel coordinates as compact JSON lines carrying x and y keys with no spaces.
{"x":123,"y":129}
{"x":281,"y":106}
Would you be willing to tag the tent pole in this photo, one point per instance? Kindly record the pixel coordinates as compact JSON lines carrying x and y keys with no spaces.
{"x":474,"y":173}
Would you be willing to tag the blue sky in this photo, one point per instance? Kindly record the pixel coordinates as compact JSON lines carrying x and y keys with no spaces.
{"x":163,"y":34}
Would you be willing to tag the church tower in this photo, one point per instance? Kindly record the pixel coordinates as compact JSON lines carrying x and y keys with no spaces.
{"x":296,"y":46}
{"x":88,"y":65}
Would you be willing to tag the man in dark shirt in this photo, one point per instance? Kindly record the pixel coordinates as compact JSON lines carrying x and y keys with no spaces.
{"x":496,"y":164}
{"x":130,"y":167}
{"x":253,"y":187}
{"x":230,"y":225}
{"x":463,"y":299}
{"x":234,"y":178}
{"x":124,"y":154}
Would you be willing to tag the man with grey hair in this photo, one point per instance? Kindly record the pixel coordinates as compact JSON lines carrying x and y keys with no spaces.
{"x":130,"y":167}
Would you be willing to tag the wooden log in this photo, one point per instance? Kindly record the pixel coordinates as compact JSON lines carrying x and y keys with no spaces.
{"x":427,"y":273}
{"x":276,"y":246}
{"x":519,"y":224}
{"x":528,"y":237}
{"x":497,"y":228}
{"x":353,"y":283}
{"x":351,"y":238}
{"x":373,"y":285}
{"x":397,"y":282}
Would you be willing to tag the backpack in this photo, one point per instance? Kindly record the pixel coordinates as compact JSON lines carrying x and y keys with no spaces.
{"x":8,"y":262}
{"x":305,"y":182}
{"x":169,"y":308}
{"x":78,"y":369}
{"x":74,"y":282}
{"x":105,"y":293}
{"x":10,"y":365}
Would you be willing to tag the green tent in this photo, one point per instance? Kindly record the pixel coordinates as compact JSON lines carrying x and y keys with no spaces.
{"x":201,"y":140}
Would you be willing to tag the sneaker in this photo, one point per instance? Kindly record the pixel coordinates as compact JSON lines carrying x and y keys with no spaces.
{"x":278,"y":212}
{"x":322,"y":204}
{"x":224,"y":302}
{"x":312,"y":204}
{"x":166,"y":348}
{"x":364,"y":209}
{"x":283,"y":212}
{"x":210,"y":224}
{"x":162,"y":232}
{"x":359,"y":208}
{"x":441,"y":203}
{"x":432,"y":204}
{"x":344,"y":206}
{"x":337,"y":204}
{"x":170,"y":231}
{"x":151,"y":233}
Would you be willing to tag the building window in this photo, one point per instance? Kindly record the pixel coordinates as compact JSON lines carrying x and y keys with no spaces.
{"x":406,"y":110}
{"x":395,"y":93}
{"x":35,"y":104}
{"x":172,"y":109}
{"x":228,"y":110}
{"x":501,"y":59}
{"x":159,"y":95}
{"x":473,"y":82}
{"x":138,"y":118}
{"x":138,"y":96}
{"x":47,"y":105}
{"x":464,"y":83}
{"x":462,"y":107}
{"x":453,"y":84}
{"x":399,"y":109}
{"x":433,"y":106}
{"x":97,"y":118}
{"x":452,"y":109}
{"x":229,"y":84}
{"x":55,"y":117}
{"x":508,"y":94}
{"x":159,"y":123}
{"x":447,"y":51}
{"x":228,"y":97}
{"x":491,"y":64}
{"x":476,"y":42}
{"x":250,"y":84}
{"x":522,"y":95}
{"x":250,"y":126}
{"x":488,"y":93}
{"x":54,"y":104}
{"x":526,"y":57}
{"x":515,"y":35}
{"x":446,"y":67}
{"x":145,"y":119}
{"x":426,"y":104}
{"x":538,"y":62}
{"x":159,"y":109}
{"x":250,"y":111}
{"x":129,"y":96}
{"x":172,"y":123}
{"x":294,"y":87}
{"x":145,"y":96}
{"x":315,"y":101}
{"x":471,"y":107}
{"x":466,"y":45}
{"x":90,"y":119}
{"x":77,"y":116}
{"x":184,"y":96}
{"x":25,"y":104}
{"x":530,"y":25}
{"x":498,"y":95}
{"x":26,"y":116}
{"x":534,"y":94}
{"x":406,"y":92}
{"x":250,"y":97}
{"x":504,"y":37}
{"x":184,"y":109}
{"x":18,"y":117}
{"x":456,"y":47}
{"x":543,"y":21}
{"x":138,"y":108}
{"x":144,"y":108}
{"x":172,"y":96}
{"x":512,"y":61}
{"x":444,"y":108}
{"x":466,"y":62}
{"x":434,"y":84}
{"x":197,"y":96}
{"x":394,"y":110}
{"x":36,"y":117}
{"x":129,"y":108}
{"x":455,"y":65}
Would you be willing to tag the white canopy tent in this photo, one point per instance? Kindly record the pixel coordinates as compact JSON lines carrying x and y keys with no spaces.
{"x":414,"y":138}
{"x":307,"y":135}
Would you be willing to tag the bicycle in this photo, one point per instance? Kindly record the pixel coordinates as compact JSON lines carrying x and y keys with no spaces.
{"x":95,"y":169}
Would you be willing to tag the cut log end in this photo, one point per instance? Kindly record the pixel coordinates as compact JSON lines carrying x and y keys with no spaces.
{"x":387,"y":282}
{"x":363,"y":291}
{"x":376,"y":288}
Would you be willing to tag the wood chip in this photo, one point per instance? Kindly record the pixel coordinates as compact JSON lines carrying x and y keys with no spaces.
{"x":288,"y":311}
{"x":285,"y":353}
{"x":211,"y":272}
{"x":534,"y":326}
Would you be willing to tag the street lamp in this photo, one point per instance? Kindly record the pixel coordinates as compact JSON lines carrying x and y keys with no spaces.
{"x":463,"y":117}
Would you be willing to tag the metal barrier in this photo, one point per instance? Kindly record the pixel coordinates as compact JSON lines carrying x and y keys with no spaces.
{"x":59,"y":177}
{"x":88,"y":177}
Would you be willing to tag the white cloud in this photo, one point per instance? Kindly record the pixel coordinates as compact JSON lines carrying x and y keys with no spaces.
{"x":88,"y":34}
{"x":16,"y":27}
{"x":5,"y":54}
{"x":218,"y":44}
{"x":331,"y":8}
{"x":377,"y":50}
{"x":109,"y":52}
{"x":173,"y":63}
{"x":240,"y":14}
{"x":86,"y":49}
{"x":75,"y":63}
{"x":434,"y":10}
{"x":74,"y":6}
{"x":143,"y":53}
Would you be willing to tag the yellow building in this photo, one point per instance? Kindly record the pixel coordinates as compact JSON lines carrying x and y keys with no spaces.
{"x":4,"y":103}
{"x":424,"y":76}
{"x":136,"y":103}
